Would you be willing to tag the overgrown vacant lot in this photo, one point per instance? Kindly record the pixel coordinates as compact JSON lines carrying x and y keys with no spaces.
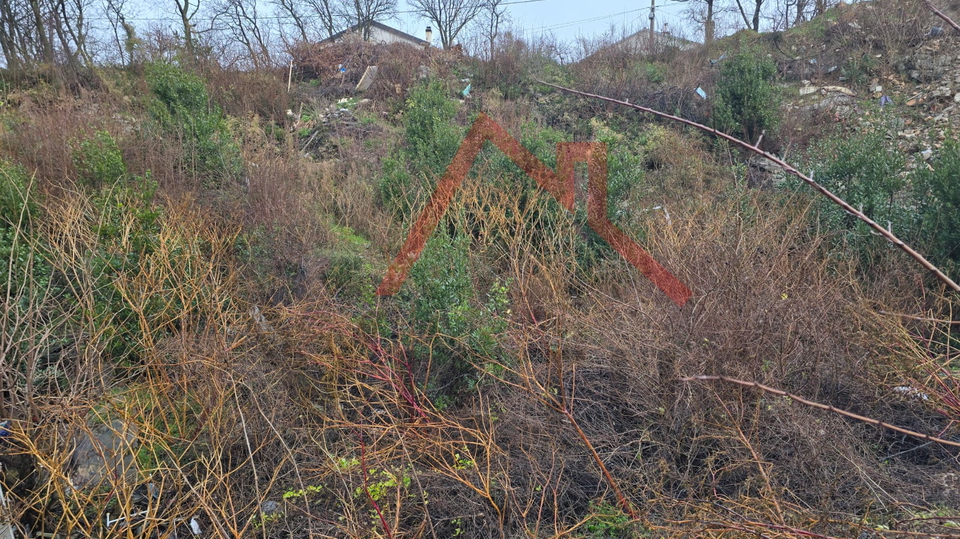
{"x":192,"y":340}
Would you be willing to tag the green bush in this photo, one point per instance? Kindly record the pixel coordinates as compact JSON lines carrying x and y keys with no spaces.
{"x":16,"y":203}
{"x":747,"y":98}
{"x":182,"y":109}
{"x":24,"y":270}
{"x":462,"y":329}
{"x":127,"y":226}
{"x":99,"y":161}
{"x":432,"y":138}
{"x":866,"y":171}
{"x":938,"y":204}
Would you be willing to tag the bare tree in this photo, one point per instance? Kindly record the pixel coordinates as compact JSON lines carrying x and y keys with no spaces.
{"x":295,"y":10}
{"x":756,"y":7}
{"x":365,"y":12}
{"x":187,"y":10}
{"x":28,"y":29}
{"x":709,"y":21}
{"x":243,"y":24}
{"x":493,"y":16}
{"x":326,"y":13}
{"x":13,"y":15}
{"x":819,"y":7}
{"x":42,"y":38}
{"x":448,"y":16}
{"x":69,"y":20}
{"x":312,"y":19}
{"x":114,"y":10}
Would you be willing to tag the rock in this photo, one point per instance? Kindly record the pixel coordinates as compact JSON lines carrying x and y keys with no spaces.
{"x":108,"y":452}
{"x":764,"y":173}
{"x":270,"y":507}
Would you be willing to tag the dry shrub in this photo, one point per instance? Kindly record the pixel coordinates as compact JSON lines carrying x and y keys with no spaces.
{"x":399,"y":65}
{"x":768,"y":306}
{"x":48,"y":128}
{"x":244,"y":93}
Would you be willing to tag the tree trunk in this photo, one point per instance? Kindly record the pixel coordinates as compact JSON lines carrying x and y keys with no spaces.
{"x":46,"y":46}
{"x":708,"y":25}
{"x":183,"y":8}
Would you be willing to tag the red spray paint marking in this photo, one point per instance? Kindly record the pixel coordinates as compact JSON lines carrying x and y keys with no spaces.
{"x":560,"y":184}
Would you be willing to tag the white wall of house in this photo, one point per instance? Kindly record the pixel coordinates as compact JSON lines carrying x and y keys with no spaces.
{"x":379,"y":35}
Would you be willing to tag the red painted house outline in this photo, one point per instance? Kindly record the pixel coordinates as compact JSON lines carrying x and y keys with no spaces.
{"x":560,"y":184}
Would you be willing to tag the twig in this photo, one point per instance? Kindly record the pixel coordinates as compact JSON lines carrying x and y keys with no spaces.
{"x":801,"y":400}
{"x":941,"y":14}
{"x":921,"y":319}
{"x":880,"y":230}
{"x":366,"y":489}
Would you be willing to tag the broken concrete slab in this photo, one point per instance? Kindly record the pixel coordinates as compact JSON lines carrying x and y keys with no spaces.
{"x":367,"y":79}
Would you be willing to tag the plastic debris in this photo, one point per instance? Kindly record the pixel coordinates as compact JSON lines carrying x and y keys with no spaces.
{"x":936,"y":31}
{"x":840,"y":90}
{"x":885,"y":100}
{"x":701,"y":93}
{"x":722,"y":56}
{"x":121,"y":519}
{"x":466,"y":91}
{"x":195,"y":526}
{"x":6,"y":528}
{"x":912,"y":391}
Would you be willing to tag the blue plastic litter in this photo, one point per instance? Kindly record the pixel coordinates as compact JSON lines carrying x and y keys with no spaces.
{"x":466,"y":91}
{"x":701,"y":93}
{"x":885,"y":100}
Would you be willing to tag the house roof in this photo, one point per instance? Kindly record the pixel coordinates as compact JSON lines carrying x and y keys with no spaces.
{"x":375,"y":24}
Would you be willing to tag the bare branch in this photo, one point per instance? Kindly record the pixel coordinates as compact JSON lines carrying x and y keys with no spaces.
{"x":941,"y":14}
{"x":821,"y":406}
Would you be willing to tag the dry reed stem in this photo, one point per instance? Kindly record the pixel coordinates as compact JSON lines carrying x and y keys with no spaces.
{"x":801,"y":400}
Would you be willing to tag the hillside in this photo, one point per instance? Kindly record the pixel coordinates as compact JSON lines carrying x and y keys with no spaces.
{"x":193,"y":342}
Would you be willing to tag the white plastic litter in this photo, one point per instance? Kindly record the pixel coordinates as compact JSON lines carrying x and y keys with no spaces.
{"x":195,"y":526}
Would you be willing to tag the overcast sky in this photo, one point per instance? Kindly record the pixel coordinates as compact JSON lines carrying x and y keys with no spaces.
{"x":570,"y":19}
{"x":565,"y":19}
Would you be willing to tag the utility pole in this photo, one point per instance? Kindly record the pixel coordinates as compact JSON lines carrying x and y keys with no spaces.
{"x":653,"y":8}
